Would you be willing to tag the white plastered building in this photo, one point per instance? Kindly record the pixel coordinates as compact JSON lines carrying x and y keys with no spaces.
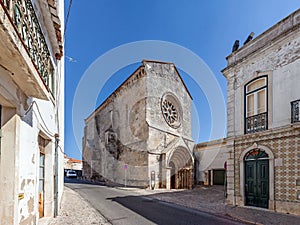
{"x":31,"y":110}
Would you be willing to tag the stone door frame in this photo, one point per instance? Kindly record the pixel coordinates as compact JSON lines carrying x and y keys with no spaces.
{"x":179,"y":163}
{"x":271,"y":174}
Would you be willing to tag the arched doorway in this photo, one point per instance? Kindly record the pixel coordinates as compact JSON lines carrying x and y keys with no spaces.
{"x":181,"y":164}
{"x":173,"y":174}
{"x":257,"y":178}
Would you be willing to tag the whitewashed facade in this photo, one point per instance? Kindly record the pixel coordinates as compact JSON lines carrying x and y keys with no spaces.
{"x":210,"y":162}
{"x":31,"y":110}
{"x":263,"y":126}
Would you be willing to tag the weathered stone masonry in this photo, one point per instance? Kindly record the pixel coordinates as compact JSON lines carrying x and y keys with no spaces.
{"x":142,"y":126}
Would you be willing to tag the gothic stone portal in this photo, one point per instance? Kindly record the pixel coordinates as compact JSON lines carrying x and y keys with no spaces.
{"x":181,"y":166}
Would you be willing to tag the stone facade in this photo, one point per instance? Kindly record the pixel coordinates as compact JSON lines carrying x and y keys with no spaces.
{"x":31,"y":110}
{"x":142,"y":131}
{"x":273,"y":59}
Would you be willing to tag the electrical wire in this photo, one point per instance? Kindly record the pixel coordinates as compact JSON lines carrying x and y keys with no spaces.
{"x":68,"y":15}
{"x":46,"y":129}
{"x":61,"y":150}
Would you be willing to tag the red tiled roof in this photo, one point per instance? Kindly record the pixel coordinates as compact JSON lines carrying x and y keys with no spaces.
{"x":71,"y":160}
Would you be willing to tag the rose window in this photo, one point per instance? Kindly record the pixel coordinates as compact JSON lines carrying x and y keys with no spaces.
{"x":171,"y":110}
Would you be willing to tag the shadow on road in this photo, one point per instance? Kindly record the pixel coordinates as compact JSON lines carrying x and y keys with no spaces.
{"x":80,"y":181}
{"x":161,"y":213}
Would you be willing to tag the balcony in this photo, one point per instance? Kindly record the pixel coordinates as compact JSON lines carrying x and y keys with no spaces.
{"x":256,"y":123}
{"x":295,"y":109}
{"x":24,"y":52}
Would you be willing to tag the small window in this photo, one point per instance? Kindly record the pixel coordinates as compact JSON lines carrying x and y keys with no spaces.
{"x":110,"y":138}
{"x":256,"y":84}
{"x":256,"y":154}
{"x":295,"y":111}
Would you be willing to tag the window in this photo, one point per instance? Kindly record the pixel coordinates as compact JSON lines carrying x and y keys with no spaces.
{"x":110,"y":138}
{"x":256,"y":105}
{"x":295,"y":111}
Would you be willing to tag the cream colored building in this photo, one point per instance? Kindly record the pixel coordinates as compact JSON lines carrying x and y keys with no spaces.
{"x":210,"y":162}
{"x":263,"y":126}
{"x":31,"y":110}
{"x":141,"y":134}
{"x":72,"y":164}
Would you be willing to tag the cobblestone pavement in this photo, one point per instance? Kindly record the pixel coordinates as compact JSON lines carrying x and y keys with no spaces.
{"x":76,"y":211}
{"x":212,"y":200}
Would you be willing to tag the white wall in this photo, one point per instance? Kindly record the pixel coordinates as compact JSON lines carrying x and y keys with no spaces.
{"x":286,"y":88}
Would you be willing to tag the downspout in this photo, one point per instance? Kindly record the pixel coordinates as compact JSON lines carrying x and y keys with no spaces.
{"x":56,"y":176}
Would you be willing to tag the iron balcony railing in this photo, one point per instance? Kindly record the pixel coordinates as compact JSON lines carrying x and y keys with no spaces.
{"x":295,"y":111}
{"x":26,"y":24}
{"x":256,"y":123}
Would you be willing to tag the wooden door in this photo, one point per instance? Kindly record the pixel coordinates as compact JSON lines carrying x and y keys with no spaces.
{"x":257,"y":183}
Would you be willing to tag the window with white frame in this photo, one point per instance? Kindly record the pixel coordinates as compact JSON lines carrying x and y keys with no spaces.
{"x":256,"y":105}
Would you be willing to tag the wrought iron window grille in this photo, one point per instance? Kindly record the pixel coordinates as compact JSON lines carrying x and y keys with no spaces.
{"x":295,"y":109}
{"x":256,"y":123}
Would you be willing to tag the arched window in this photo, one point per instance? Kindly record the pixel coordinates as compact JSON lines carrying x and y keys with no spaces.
{"x":256,"y":106}
{"x":256,"y":154}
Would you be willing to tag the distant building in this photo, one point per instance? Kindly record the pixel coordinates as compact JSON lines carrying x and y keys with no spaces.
{"x":31,"y":110}
{"x":72,"y":164}
{"x":210,"y":162}
{"x":263,"y":125}
{"x":141,"y":134}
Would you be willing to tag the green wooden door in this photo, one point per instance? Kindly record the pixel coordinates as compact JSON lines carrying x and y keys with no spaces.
{"x":218,"y":177}
{"x":257,"y":183}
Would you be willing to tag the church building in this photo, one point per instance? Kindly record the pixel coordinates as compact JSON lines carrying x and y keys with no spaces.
{"x":141,"y":134}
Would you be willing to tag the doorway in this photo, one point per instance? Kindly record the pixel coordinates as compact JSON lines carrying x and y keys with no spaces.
{"x":218,"y":177}
{"x":173,"y":176}
{"x":257,"y":179}
{"x":42,"y":144}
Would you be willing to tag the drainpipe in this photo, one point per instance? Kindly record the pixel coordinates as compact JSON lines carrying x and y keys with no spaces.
{"x":56,"y":176}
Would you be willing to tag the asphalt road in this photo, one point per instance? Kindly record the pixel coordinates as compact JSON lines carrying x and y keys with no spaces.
{"x":122,"y":207}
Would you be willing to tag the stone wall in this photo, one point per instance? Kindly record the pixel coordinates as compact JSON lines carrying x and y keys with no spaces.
{"x":129,"y":128}
{"x":116,"y":135}
{"x":163,"y":80}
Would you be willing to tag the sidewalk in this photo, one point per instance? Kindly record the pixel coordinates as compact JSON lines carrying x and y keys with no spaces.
{"x":76,"y":211}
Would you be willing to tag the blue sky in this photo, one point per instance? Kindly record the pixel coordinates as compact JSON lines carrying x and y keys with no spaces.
{"x":207,"y":28}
